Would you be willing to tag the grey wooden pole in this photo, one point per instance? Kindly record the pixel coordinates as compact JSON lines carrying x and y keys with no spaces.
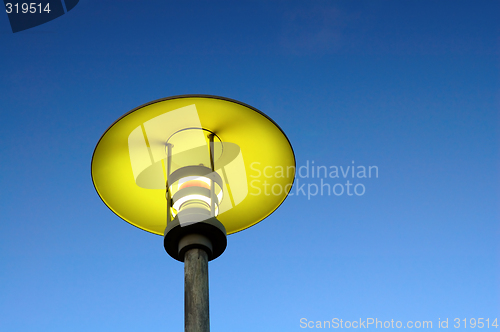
{"x":196,"y":312}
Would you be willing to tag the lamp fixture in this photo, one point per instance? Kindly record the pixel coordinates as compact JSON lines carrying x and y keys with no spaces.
{"x":192,"y":169}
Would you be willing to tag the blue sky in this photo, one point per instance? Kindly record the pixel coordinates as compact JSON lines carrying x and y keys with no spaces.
{"x":411,"y":87}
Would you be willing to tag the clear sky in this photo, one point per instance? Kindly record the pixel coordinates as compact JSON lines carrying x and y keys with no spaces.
{"x":411,"y":87}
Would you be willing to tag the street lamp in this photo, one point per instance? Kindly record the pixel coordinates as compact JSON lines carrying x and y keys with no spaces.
{"x":193,"y":169}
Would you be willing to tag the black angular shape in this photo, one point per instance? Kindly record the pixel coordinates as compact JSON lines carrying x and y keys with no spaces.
{"x":41,"y":13}
{"x":70,"y":4}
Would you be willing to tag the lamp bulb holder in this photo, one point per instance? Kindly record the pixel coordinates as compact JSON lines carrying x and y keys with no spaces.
{"x":209,"y":235}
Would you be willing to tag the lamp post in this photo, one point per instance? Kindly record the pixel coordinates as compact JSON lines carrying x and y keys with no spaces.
{"x":193,"y":169}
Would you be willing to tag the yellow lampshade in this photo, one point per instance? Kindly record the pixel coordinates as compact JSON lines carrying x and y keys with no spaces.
{"x":149,"y":148}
